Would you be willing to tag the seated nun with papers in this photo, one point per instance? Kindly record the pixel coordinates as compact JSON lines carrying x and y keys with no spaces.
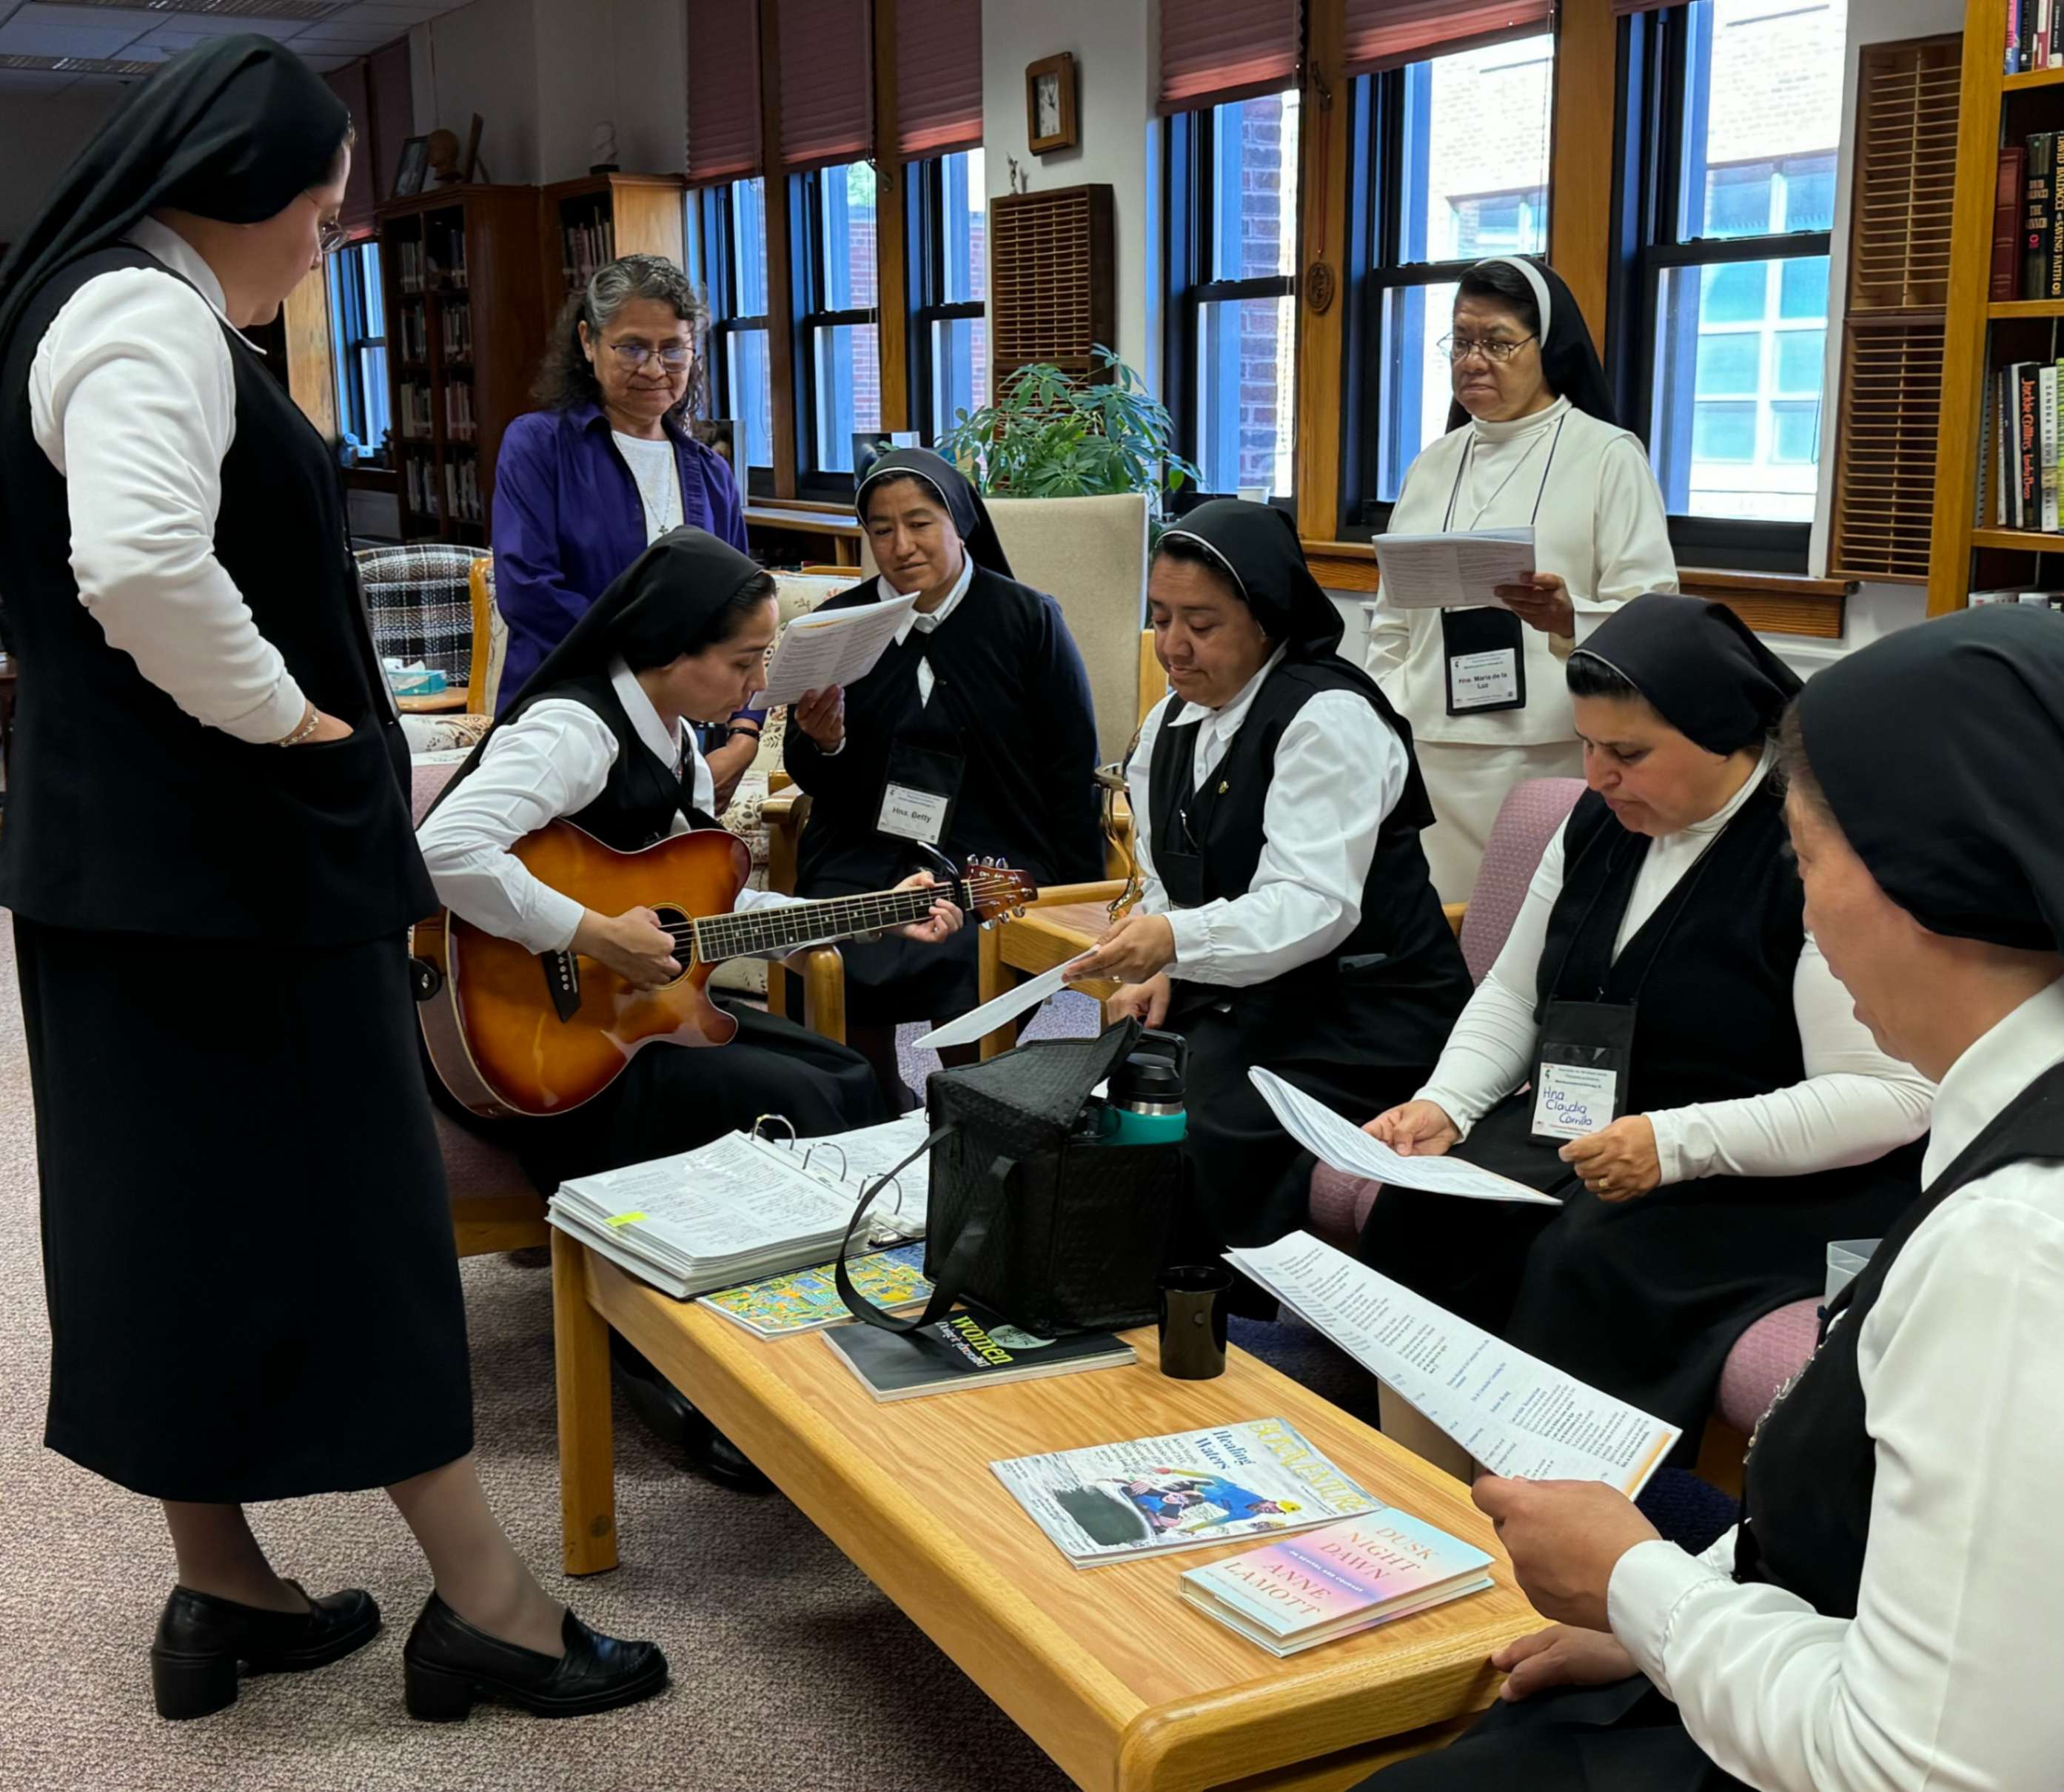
{"x":1288,"y":921}
{"x":1660,"y":1045}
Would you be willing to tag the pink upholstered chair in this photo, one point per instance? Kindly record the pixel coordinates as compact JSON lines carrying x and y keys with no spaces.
{"x":494,"y":1205}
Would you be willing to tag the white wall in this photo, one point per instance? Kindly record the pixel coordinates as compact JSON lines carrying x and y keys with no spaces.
{"x":1116,"y":47}
{"x":39,"y":134}
{"x":1875,"y":609}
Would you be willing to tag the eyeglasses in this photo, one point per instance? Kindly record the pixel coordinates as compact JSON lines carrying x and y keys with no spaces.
{"x":330,"y":234}
{"x":1496,"y":349}
{"x":673,"y":356}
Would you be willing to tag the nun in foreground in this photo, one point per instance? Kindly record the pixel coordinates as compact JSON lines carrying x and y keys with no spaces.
{"x":1660,"y":1046}
{"x":1533,"y":443}
{"x":973,"y":735}
{"x":247,"y":1250}
{"x":1288,"y":920}
{"x":1884,"y":1615}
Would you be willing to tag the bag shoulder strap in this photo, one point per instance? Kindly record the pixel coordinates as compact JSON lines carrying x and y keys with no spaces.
{"x":953,"y":1276}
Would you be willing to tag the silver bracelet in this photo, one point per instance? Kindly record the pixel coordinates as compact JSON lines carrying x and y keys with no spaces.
{"x":309,"y":723}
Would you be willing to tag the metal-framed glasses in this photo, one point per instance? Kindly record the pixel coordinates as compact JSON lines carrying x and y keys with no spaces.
{"x":1496,"y":349}
{"x":331,"y":235}
{"x":673,"y":356}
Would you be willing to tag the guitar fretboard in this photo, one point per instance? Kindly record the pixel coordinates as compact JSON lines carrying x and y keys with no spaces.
{"x":740,"y":936}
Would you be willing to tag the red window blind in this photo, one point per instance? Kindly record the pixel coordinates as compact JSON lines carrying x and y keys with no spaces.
{"x":723,"y":91}
{"x":938,"y":76}
{"x":1215,"y":50}
{"x":1387,"y":34}
{"x":827,"y":83}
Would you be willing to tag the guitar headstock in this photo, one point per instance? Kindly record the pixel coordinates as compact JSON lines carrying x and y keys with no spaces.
{"x":994,"y":892}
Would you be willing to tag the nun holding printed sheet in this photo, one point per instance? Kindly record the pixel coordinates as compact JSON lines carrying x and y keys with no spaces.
{"x":1532,"y":442}
{"x":1659,"y":1045}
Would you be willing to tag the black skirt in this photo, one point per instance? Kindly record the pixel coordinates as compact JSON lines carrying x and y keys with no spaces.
{"x":1642,"y":1298}
{"x":672,"y":1098}
{"x":247,"y":1242}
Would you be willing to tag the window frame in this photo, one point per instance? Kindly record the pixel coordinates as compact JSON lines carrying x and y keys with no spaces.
{"x":924,"y":213}
{"x":1654,"y":87}
{"x":810,"y":315}
{"x":714,"y":267}
{"x":349,"y":344}
{"x":1188,"y":169}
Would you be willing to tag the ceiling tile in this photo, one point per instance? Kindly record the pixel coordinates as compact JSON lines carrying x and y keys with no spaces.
{"x":29,"y":33}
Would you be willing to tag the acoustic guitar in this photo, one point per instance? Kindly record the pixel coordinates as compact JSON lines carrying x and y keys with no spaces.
{"x":511,"y":1033}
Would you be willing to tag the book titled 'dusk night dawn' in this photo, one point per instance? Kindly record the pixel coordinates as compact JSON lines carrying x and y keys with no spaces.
{"x":1328,"y":1584}
{"x":973,"y":1348}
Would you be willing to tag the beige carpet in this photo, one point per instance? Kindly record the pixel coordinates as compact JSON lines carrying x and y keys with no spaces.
{"x":790,"y":1670}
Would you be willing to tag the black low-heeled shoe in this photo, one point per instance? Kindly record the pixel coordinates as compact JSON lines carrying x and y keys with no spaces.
{"x":201,"y":1639}
{"x":447,"y":1664}
{"x":668,"y":1413}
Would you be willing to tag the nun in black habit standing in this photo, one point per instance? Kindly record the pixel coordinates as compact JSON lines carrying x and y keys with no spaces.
{"x":973,"y":735}
{"x":1287,"y":920}
{"x":250,"y":1273}
{"x":1885,"y":1614}
{"x":1660,"y":1045}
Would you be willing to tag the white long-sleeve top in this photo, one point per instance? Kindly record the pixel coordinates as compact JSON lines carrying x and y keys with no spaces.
{"x":1854,"y":1104}
{"x":1339,"y":771}
{"x":926,"y":623}
{"x":132,"y":396}
{"x":552,"y":760}
{"x":1597,"y":521}
{"x":1945,"y":1680}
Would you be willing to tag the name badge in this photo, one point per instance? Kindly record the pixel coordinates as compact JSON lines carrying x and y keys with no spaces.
{"x":1478,"y":681}
{"x":1573,"y":1100}
{"x":911,"y":814}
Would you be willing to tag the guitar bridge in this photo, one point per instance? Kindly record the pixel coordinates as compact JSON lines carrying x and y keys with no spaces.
{"x":562,"y":983}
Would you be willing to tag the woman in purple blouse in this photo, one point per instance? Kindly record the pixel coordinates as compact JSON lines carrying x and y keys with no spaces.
{"x":608,"y":467}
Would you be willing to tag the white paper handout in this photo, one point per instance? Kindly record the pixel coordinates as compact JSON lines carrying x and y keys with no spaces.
{"x":1350,"y":1150}
{"x":1514,"y":1413}
{"x":1456,"y":570}
{"x":1008,"y":1006}
{"x":832,"y":646}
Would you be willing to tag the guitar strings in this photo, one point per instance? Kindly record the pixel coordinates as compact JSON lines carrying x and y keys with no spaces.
{"x":732,"y":935}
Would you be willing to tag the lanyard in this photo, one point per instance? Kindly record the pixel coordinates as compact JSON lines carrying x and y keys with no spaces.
{"x":1462,"y":467}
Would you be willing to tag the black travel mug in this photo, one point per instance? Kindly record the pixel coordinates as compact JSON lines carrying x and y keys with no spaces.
{"x":1193,"y":1322}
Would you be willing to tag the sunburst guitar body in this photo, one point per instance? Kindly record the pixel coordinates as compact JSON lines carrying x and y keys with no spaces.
{"x":512,"y":1033}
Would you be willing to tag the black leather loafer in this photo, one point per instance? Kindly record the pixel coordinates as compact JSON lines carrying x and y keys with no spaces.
{"x":201,"y":1639}
{"x":668,"y":1413}
{"x":447,"y":1664}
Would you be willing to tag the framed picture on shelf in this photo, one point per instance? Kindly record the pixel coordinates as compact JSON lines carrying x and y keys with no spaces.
{"x":414,"y":164}
{"x":1049,"y":104}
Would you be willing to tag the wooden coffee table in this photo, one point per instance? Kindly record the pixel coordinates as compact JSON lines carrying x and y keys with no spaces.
{"x":1125,"y":1686}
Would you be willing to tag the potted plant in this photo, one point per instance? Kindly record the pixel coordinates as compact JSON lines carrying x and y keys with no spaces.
{"x":1050,"y":436}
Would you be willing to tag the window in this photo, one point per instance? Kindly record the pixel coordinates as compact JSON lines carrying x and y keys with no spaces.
{"x":949,"y":259}
{"x":838,"y":360}
{"x":358,"y":349}
{"x":1434,"y":190}
{"x":1732,"y":158}
{"x":1230,"y":371}
{"x":727,"y":241}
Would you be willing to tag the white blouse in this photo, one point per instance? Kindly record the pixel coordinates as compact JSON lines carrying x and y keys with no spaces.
{"x":656,"y":471}
{"x":1339,"y":771}
{"x":1945,"y":1680}
{"x":1597,"y":515}
{"x":923,"y":622}
{"x":552,"y":761}
{"x":132,"y":396}
{"x":1856,"y":1104}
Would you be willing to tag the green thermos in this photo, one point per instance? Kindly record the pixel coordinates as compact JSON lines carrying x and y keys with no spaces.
{"x":1144,"y":1100}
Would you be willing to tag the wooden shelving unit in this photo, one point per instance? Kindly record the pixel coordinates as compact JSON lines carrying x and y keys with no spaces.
{"x":1981,"y":333}
{"x":582,"y":223}
{"x":465,"y":329}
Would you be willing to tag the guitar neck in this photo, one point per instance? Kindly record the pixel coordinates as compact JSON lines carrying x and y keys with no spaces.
{"x":743,"y":934}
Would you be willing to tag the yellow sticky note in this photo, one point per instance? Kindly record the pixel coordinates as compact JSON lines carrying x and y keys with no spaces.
{"x":623,"y":1219}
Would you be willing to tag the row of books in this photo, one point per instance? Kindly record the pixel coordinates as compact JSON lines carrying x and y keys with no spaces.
{"x":2034,"y":35}
{"x":2028,"y":226}
{"x":2018,"y":479}
{"x":2013,"y":594}
{"x":413,"y":418}
{"x":459,"y":426}
{"x":585,"y":247}
{"x":415,"y":333}
{"x":456,"y":494}
{"x":418,"y":268}
{"x":458,"y":332}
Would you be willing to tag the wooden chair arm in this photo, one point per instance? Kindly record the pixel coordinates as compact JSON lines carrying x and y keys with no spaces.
{"x":783,"y":815}
{"x":823,"y":973}
{"x":1107,"y":890}
{"x":1455,"y":911}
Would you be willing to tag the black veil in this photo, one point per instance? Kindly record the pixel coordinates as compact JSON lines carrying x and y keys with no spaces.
{"x":1569,"y":359}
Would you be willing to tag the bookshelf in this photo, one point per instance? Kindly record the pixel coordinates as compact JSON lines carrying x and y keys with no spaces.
{"x":466,"y":330}
{"x":1982,"y":334}
{"x":583,"y":223}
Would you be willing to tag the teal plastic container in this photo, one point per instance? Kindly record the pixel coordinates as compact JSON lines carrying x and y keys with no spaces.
{"x":1144,"y":1101}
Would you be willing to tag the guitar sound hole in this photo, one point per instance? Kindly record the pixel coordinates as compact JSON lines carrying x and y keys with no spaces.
{"x":678,"y":922}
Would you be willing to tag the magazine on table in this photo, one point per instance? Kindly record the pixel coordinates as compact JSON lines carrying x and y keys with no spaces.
{"x":1256,"y":1477}
{"x":808,"y":1300}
